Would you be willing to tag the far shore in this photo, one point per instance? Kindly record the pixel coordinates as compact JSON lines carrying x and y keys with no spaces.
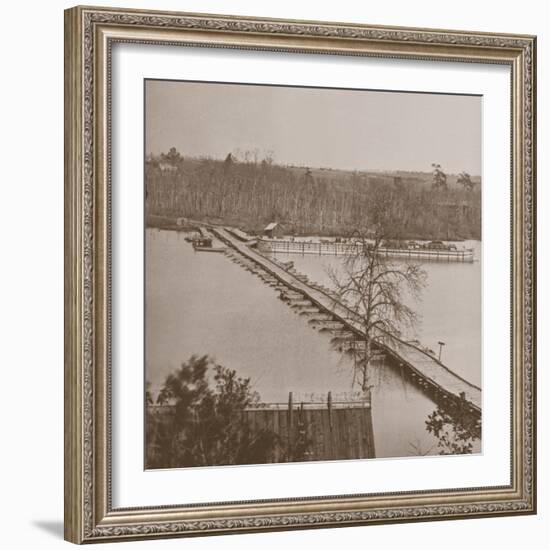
{"x":170,"y":223}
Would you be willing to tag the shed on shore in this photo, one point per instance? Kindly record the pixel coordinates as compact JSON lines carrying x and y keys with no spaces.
{"x":273,"y":230}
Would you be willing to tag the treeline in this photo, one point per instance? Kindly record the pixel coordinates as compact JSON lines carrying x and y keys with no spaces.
{"x":323,"y":202}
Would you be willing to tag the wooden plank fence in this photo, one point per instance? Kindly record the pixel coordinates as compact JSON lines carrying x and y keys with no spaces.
{"x":306,"y":430}
{"x":311,"y":431}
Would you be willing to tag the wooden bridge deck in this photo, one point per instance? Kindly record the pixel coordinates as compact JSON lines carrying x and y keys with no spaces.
{"x":423,"y":365}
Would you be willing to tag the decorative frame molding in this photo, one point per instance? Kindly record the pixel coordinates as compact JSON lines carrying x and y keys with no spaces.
{"x":89,"y":34}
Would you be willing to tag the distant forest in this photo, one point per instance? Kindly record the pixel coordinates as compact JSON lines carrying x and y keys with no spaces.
{"x":251,"y":192}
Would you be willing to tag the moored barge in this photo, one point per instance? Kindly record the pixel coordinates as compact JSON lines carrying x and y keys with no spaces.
{"x":432,"y":251}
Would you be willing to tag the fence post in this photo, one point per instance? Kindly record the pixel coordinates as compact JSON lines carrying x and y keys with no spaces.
{"x":289,"y":427}
{"x":329,"y":404}
{"x":290,"y":406}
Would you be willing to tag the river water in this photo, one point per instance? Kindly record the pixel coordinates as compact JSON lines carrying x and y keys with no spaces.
{"x":449,"y":307}
{"x":202,"y":303}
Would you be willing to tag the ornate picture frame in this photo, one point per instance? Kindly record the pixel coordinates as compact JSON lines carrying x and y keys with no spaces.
{"x":90,"y":34}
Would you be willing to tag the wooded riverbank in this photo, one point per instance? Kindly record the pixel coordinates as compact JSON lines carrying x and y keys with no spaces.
{"x":307,"y":201}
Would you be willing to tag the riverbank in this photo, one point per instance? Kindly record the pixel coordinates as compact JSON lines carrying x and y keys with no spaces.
{"x":167,"y":223}
{"x":312,"y":201}
{"x":170,"y":223}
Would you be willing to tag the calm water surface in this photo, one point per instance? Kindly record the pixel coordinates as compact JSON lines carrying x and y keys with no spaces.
{"x":202,"y":303}
{"x":449,"y":308}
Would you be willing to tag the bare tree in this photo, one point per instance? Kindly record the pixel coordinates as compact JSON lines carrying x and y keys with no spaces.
{"x":372,"y":287}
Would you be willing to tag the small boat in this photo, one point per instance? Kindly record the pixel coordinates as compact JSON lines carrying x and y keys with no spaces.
{"x":204,"y":244}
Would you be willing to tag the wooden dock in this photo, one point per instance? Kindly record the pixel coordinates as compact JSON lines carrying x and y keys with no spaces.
{"x":425,"y":370}
{"x":241,"y":235}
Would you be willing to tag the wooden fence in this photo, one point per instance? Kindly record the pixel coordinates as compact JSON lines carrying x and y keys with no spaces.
{"x":329,"y":430}
{"x":307,"y":428}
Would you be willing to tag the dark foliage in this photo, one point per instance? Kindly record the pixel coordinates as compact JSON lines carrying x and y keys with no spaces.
{"x":456,"y":429}
{"x":439,"y":182}
{"x":199,"y":420}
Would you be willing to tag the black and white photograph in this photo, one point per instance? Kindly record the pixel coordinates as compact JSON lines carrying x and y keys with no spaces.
{"x":312,"y":274}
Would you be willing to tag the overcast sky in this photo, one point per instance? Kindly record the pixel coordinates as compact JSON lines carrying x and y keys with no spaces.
{"x":348,"y":129}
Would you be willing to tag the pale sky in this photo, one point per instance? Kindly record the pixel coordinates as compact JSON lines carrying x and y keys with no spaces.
{"x":347,"y":129}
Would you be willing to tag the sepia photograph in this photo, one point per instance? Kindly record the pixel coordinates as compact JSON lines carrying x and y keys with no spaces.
{"x":300,"y":273}
{"x":313,"y":270}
